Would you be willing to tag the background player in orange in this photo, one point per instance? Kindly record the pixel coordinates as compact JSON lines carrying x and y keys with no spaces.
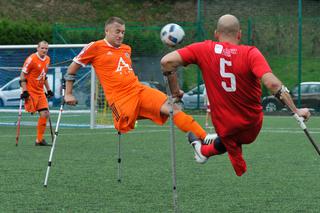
{"x":128,"y":98}
{"x":32,"y":79}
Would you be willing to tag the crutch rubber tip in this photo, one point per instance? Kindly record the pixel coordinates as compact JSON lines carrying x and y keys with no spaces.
{"x":45,"y":186}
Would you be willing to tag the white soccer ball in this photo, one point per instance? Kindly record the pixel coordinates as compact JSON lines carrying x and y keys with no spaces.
{"x":172,"y":34}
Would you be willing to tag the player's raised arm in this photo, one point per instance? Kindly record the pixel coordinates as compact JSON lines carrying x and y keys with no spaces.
{"x":169,"y":66}
{"x":70,"y":77}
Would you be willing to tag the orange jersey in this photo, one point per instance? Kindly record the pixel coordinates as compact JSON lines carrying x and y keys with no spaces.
{"x":35,"y":70}
{"x":113,"y":68}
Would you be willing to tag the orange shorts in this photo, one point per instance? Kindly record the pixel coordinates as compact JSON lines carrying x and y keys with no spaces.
{"x":144,"y":105}
{"x":35,"y":103}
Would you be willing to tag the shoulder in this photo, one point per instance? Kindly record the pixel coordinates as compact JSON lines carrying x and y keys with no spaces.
{"x":94,"y":44}
{"x":197,"y":46}
{"x":203,"y":44}
{"x":248,"y":48}
{"x":31,"y":58}
{"x":125,"y":47}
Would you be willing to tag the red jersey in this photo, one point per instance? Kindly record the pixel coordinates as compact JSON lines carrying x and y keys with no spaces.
{"x":35,"y":70}
{"x":113,"y":68}
{"x":231,"y":75}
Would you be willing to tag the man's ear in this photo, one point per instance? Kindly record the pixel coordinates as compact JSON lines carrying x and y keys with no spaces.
{"x":239,"y":35}
{"x":216,"y":35}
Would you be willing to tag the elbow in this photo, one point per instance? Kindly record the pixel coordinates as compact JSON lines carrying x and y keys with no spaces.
{"x":165,"y":63}
{"x":272,"y":83}
{"x":273,"y":86}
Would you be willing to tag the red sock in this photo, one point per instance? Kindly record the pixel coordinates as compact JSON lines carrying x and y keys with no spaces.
{"x":209,"y":150}
{"x":41,"y":128}
{"x":187,"y":124}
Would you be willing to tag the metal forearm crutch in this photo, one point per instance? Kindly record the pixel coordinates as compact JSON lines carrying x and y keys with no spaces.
{"x":55,"y":135}
{"x":304,"y":128}
{"x":119,"y":158}
{"x":19,"y":122}
{"x":173,"y":147}
{"x":51,"y":131}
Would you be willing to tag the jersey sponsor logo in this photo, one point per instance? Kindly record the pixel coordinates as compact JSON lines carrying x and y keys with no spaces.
{"x":228,"y":52}
{"x":121,"y":65}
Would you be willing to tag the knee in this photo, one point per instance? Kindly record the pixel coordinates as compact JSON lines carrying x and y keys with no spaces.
{"x":44,"y":114}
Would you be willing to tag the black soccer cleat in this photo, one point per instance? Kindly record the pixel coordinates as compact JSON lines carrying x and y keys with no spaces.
{"x":42,"y":143}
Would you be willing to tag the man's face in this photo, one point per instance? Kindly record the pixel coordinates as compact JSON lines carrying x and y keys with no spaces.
{"x":115,"y":34}
{"x":42,"y":49}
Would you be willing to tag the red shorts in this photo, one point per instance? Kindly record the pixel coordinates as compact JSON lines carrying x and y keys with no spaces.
{"x":233,"y":144}
{"x":35,"y":102}
{"x":145,"y":105}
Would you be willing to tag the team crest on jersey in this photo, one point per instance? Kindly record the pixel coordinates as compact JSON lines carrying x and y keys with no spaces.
{"x":127,"y":55}
{"x":123,"y":66}
{"x":42,"y":75}
{"x":218,"y":48}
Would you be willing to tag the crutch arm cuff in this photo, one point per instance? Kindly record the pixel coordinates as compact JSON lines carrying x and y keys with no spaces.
{"x":69,"y":77}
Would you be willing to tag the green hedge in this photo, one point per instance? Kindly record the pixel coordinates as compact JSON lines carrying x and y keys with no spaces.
{"x":20,"y":32}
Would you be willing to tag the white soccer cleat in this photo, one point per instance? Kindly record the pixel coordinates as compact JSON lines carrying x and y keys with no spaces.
{"x":196,"y":144}
{"x":210,"y":138}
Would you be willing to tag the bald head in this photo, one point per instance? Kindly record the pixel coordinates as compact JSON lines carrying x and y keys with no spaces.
{"x":228,"y":25}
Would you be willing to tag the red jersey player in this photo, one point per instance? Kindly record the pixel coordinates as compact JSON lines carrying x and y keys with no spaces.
{"x":232,"y":75}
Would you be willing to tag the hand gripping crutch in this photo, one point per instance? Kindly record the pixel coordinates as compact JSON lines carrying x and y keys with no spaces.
{"x":173,"y":148}
{"x":304,"y":128}
{"x":19,"y":122}
{"x":55,"y":135}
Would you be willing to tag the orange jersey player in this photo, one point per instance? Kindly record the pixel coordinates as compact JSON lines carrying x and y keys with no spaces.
{"x":33,"y":79}
{"x":128,"y":98}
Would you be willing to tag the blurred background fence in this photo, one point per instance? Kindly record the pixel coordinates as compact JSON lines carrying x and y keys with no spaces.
{"x":272,"y":26}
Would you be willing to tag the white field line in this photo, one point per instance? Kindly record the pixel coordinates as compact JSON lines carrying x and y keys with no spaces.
{"x":90,"y":134}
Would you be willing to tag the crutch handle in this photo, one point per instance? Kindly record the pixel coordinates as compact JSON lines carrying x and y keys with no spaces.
{"x":300,"y":121}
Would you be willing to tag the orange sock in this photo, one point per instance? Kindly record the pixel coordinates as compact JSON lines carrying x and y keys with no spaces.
{"x":186,"y":123}
{"x":41,"y":128}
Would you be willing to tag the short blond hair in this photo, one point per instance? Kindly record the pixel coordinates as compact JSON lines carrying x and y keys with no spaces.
{"x":42,"y":42}
{"x":114,"y":19}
